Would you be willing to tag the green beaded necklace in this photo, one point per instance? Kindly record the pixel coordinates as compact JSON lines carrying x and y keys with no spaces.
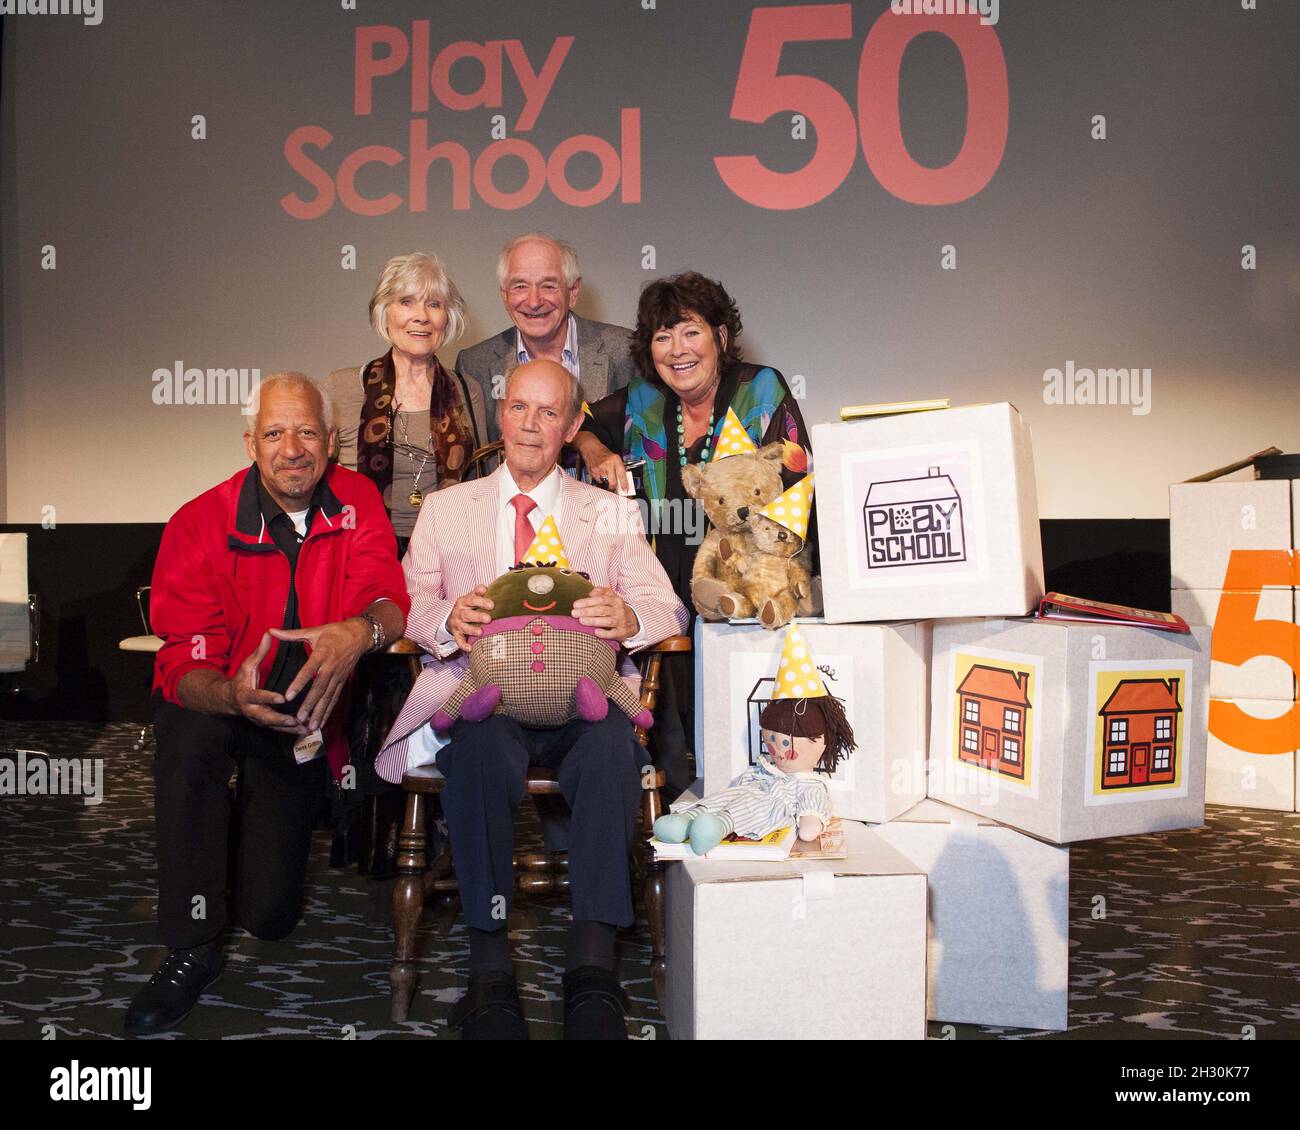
{"x":681,"y":437}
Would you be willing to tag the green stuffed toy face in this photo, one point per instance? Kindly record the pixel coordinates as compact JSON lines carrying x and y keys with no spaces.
{"x":537,"y":590}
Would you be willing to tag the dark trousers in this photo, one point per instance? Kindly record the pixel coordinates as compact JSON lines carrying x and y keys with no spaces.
{"x":275,"y":807}
{"x":598,"y":766}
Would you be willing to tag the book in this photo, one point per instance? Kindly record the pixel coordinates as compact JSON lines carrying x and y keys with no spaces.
{"x":896,"y":408}
{"x":774,"y":847}
{"x":1239,"y":465}
{"x":1059,"y":606}
{"x":829,"y":845}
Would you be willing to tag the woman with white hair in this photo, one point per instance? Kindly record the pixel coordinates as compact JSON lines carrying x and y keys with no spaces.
{"x":403,"y":420}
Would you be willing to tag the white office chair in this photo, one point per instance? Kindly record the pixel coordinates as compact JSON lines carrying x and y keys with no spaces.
{"x":20,"y":614}
{"x":148,"y":643}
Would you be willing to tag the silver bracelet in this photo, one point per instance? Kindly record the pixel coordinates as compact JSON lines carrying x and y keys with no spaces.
{"x":377,"y":635}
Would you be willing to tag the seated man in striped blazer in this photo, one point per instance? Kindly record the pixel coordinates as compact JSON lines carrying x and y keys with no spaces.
{"x":466,"y":536}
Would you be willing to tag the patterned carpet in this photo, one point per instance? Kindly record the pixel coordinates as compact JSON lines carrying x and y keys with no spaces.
{"x":1199,"y":939}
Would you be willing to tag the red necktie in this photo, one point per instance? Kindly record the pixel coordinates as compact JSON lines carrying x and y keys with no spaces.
{"x":524,"y":532}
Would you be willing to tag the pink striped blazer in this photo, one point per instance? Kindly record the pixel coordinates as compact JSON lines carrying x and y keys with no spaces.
{"x":453,"y":549}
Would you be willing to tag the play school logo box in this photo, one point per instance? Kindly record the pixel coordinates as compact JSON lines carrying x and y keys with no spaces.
{"x":935,"y":515}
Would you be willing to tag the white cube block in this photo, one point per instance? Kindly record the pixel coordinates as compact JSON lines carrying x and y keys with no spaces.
{"x":1236,"y":775}
{"x":999,"y":917}
{"x":1208,"y":521}
{"x":928,"y":514}
{"x":819,"y":949}
{"x":1070,"y":731}
{"x":1259,"y":676}
{"x":878,"y":671}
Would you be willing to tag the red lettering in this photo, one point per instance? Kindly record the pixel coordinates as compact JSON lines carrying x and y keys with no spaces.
{"x":352,"y":199}
{"x":509,"y":147}
{"x":762,"y":93}
{"x":423,"y":155}
{"x":556,"y":167}
{"x":629,"y":121}
{"x":419,"y":66}
{"x":311,"y":172}
{"x":488,"y":55}
{"x":367,"y":66}
{"x":987,"y":108}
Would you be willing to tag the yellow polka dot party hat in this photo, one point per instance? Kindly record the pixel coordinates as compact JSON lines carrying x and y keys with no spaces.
{"x":796,"y":675}
{"x":547,"y":548}
{"x":792,"y":507}
{"x":734,"y":440}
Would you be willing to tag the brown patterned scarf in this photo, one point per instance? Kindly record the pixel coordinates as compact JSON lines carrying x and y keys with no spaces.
{"x":453,"y":437}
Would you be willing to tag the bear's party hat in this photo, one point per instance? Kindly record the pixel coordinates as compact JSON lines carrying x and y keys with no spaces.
{"x":792,"y":507}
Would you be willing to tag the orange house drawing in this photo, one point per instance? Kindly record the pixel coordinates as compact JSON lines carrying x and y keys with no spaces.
{"x":1140,"y":732}
{"x":994,"y":706}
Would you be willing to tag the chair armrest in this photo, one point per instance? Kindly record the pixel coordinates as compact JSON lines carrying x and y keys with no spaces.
{"x":34,"y":620}
{"x":139,"y":603}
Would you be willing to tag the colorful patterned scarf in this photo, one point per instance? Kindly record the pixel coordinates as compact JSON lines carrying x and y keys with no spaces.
{"x":645,"y":435}
{"x":453,"y":439}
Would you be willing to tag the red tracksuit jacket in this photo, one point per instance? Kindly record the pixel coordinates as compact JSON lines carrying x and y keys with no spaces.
{"x":220,"y":581}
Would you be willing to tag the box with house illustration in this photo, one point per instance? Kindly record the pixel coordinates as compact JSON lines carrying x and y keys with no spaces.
{"x":935,"y":514}
{"x":877,"y":671}
{"x":811,"y":949}
{"x":1070,"y":731}
{"x":998,"y":919}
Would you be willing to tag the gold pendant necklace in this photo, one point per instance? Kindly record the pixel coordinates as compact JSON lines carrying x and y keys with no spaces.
{"x":416,"y":497}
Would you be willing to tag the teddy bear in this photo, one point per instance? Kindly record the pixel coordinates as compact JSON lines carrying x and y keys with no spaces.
{"x":771,"y":567}
{"x":729,"y":489}
{"x":760,"y":564}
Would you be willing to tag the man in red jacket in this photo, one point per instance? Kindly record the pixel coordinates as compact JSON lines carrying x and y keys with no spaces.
{"x":267,"y":591}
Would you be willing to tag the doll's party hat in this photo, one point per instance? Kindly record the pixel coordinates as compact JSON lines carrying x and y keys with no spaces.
{"x":792,"y":507}
{"x":734,"y":440}
{"x":796,"y":675}
{"x":547,"y":548}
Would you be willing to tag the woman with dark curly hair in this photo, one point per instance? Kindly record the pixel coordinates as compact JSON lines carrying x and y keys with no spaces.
{"x":686,"y":348}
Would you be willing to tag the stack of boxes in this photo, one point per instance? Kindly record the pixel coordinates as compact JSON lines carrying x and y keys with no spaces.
{"x":1234,"y":566}
{"x":987,"y":741}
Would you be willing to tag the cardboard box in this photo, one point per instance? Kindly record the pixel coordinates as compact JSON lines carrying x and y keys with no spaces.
{"x":1070,"y":731}
{"x":1233,"y":773}
{"x":1259,"y":675}
{"x":823,"y":949}
{"x":999,"y":917}
{"x":935,"y":515}
{"x":878,"y":671}
{"x":1209,"y":521}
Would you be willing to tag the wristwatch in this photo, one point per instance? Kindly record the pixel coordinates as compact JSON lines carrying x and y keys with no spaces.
{"x":377,"y":635}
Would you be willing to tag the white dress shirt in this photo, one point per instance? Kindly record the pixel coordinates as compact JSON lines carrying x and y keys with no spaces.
{"x":549,"y":496}
{"x":568,"y":355}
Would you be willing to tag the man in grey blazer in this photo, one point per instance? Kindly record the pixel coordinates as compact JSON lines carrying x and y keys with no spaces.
{"x":539,"y":279}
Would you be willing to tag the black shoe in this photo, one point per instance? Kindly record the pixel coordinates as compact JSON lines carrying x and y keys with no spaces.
{"x":490,"y":1010}
{"x":172,"y":992}
{"x":595,"y":1006}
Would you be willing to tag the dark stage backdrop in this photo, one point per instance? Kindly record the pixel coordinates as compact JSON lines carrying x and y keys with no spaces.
{"x":990,"y":207}
{"x":1086,"y":208}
